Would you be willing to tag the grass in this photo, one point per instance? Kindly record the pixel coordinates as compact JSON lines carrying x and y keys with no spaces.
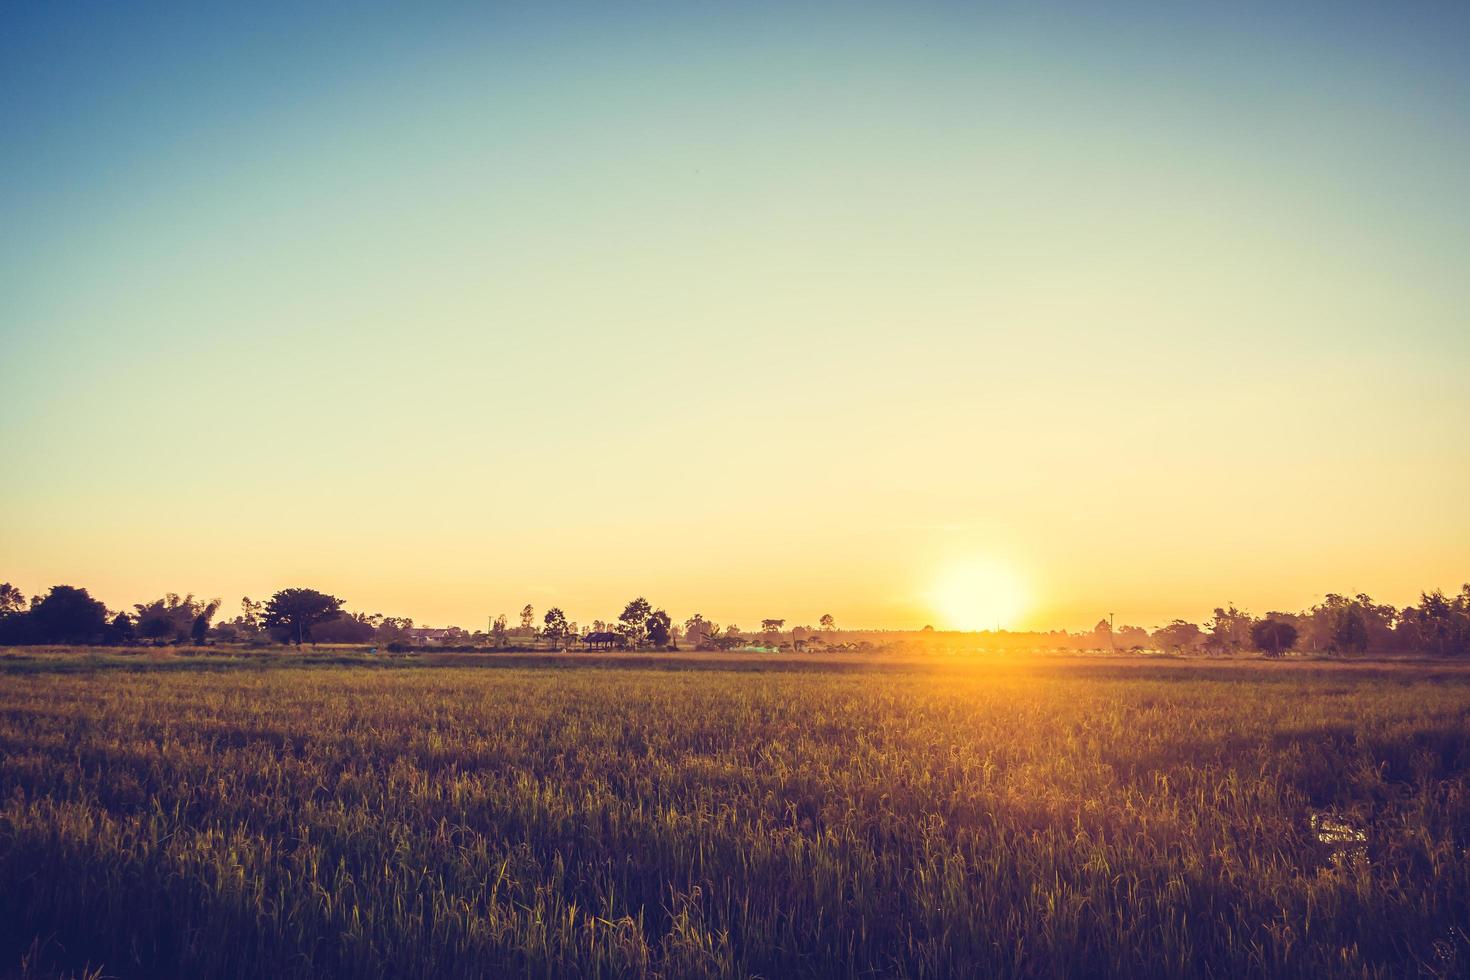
{"x":193,"y":816}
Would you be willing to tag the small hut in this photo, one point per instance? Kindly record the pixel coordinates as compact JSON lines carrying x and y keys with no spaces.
{"x":605,"y":641}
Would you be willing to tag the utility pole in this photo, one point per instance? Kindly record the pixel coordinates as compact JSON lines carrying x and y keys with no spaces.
{"x":1112,"y":637}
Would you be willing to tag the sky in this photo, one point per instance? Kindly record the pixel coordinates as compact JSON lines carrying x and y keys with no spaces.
{"x":758,"y":309}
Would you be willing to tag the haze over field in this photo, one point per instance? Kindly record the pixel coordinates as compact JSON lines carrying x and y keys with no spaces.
{"x":755,"y":310}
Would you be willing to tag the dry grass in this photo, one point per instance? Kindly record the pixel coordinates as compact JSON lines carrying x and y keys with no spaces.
{"x":193,"y":816}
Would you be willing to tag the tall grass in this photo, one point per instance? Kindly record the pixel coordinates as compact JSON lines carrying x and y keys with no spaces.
{"x":452,"y":822}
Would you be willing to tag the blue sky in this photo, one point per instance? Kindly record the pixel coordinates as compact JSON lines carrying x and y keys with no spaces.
{"x":825,"y":299}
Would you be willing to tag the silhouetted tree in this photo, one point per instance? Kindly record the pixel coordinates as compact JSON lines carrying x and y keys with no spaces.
{"x":827,"y":622}
{"x":1273,"y":637}
{"x":17,"y":629}
{"x":251,"y":613}
{"x":633,"y":623}
{"x":15,"y":623}
{"x":119,"y":631}
{"x":350,"y":628}
{"x":658,"y":628}
{"x":556,"y":625}
{"x":393,"y":629}
{"x":295,"y":611}
{"x":1350,"y":632}
{"x":199,"y":632}
{"x":156,"y":628}
{"x":173,"y":617}
{"x":1339,"y":624}
{"x":528,"y":616}
{"x":1441,"y":623}
{"x":246,"y":625}
{"x":12,"y":600}
{"x":1379,"y":619}
{"x":68,"y":615}
{"x":1230,"y":630}
{"x":499,"y":630}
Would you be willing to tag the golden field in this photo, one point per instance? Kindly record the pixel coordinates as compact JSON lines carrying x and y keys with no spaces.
{"x":168,"y":815}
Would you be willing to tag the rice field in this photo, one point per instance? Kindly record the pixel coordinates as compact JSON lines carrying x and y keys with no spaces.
{"x":192,"y":817}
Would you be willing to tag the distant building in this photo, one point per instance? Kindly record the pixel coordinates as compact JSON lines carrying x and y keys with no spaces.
{"x":431,"y":636}
{"x":605,"y":641}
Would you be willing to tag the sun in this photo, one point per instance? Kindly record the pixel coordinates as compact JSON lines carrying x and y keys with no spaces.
{"x":979,"y":594}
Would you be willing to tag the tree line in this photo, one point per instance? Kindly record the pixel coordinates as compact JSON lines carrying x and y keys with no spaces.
{"x":69,"y":615}
{"x":1438,"y":624}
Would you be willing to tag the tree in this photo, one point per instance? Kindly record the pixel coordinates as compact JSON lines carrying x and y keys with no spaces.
{"x":348,"y":628}
{"x":1379,"y":619}
{"x":1339,"y":624}
{"x":827,"y":622}
{"x":294,"y":612}
{"x":528,"y":615}
{"x":173,"y":617}
{"x":1273,"y":637}
{"x":392,"y":629}
{"x":1441,"y":624}
{"x":199,"y":629}
{"x":1179,"y":636}
{"x":727,"y":642}
{"x":1131,"y":638}
{"x":658,"y":628}
{"x":556,"y":625}
{"x":697,"y":629}
{"x":1350,"y":633}
{"x":772,"y":625}
{"x":17,"y":628}
{"x":246,"y":625}
{"x":68,"y":615}
{"x":12,"y":600}
{"x":119,"y":631}
{"x":498,"y":630}
{"x":1229,"y":630}
{"x":633,"y":623}
{"x":250,"y":614}
{"x":706,"y":636}
{"x":155,"y":628}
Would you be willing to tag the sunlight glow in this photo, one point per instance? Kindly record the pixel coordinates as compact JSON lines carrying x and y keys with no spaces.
{"x":979,"y":594}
